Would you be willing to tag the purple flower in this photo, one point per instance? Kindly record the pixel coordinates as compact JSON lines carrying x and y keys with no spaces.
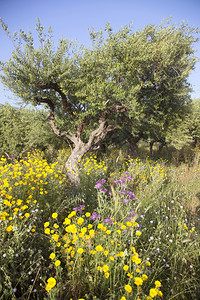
{"x":126,"y":201}
{"x":79,"y":208}
{"x":104,"y":190}
{"x":95,"y":216}
{"x":98,"y":185}
{"x":131,"y":195}
{"x":117,"y":181}
{"x":131,"y":216}
{"x":107,"y":220}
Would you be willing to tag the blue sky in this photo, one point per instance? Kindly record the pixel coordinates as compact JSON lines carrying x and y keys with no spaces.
{"x":73,"y":18}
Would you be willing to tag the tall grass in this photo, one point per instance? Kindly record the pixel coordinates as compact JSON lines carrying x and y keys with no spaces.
{"x":130,"y":231}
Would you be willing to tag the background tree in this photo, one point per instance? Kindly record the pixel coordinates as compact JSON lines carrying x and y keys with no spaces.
{"x":193,"y":122}
{"x":131,"y":76}
{"x":23,"y":130}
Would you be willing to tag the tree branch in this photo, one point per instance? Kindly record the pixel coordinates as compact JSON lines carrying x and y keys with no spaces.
{"x":66,"y":106}
{"x":80,"y":128}
{"x":57,"y":131}
{"x":102,"y":136}
{"x":45,"y":100}
{"x":100,"y":133}
{"x":51,"y":120}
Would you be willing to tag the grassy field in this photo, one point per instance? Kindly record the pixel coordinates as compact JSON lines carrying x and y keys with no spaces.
{"x":130,"y":231}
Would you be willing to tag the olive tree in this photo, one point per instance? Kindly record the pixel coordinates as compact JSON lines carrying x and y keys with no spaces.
{"x":125,"y":76}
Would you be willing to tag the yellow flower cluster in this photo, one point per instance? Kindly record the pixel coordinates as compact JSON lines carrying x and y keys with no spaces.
{"x":145,"y":172}
{"x":51,"y":282}
{"x":155,"y":291}
{"x":80,"y":239}
{"x":90,"y":164}
{"x":23,"y":182}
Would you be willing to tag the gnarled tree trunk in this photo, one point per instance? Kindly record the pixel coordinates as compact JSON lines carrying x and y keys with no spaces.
{"x":71,"y":165}
{"x":80,"y":148}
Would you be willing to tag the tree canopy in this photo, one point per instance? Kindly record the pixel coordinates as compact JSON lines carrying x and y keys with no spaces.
{"x":24,"y":129}
{"x":136,"y":79}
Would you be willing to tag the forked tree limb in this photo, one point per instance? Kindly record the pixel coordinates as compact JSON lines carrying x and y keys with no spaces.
{"x":57,"y":131}
{"x":66,"y":106}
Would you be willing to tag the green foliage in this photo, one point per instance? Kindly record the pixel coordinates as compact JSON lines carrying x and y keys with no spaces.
{"x":136,"y":78}
{"x":185,"y":130}
{"x":23,"y":129}
{"x":194,"y":121}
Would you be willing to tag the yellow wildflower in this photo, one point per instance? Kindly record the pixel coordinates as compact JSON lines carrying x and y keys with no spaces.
{"x":107,"y":274}
{"x":128,"y":288}
{"x":144,"y":277}
{"x":125,"y":268}
{"x":99,"y":248}
{"x":80,"y":250}
{"x":54,"y":215}
{"x":9,"y":228}
{"x":52,"y":255}
{"x":51,"y":282}
{"x":47,"y":231}
{"x":57,"y":263}
{"x":46,"y":224}
{"x":105,"y":268}
{"x":80,"y":221}
{"x":157,"y":283}
{"x":153,"y":293}
{"x":138,"y":281}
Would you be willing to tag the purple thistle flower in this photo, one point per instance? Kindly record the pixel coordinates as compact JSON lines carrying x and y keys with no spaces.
{"x":79,"y":208}
{"x":104,"y":190}
{"x":107,"y":220}
{"x":98,"y":185}
{"x":95,"y":216}
{"x":128,"y":192}
{"x":117,"y":181}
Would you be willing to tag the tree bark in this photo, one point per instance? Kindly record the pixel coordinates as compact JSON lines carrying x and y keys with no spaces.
{"x":80,"y":148}
{"x":71,"y":165}
{"x":151,"y":148}
{"x":133,"y":143}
